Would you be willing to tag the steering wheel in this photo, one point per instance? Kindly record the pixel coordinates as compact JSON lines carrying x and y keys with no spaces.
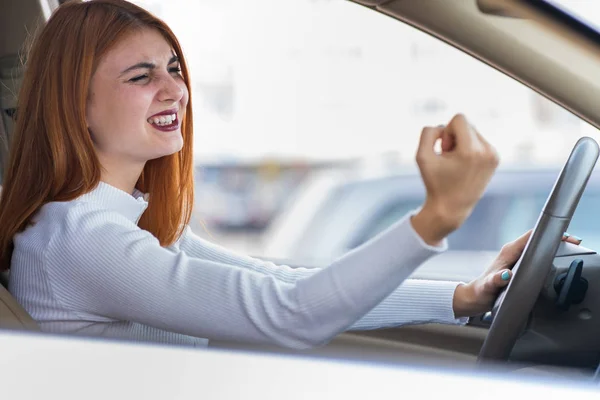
{"x":513,"y":305}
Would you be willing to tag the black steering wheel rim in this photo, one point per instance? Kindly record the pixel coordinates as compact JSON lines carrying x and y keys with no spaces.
{"x":514,"y":304}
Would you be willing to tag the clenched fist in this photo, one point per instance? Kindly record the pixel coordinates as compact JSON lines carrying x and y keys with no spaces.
{"x":455,"y":179}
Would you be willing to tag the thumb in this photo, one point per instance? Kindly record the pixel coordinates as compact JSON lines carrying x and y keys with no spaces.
{"x":521,"y":241}
{"x":448,"y":141}
{"x":429,"y":136}
{"x":497,"y":281}
{"x":511,"y":251}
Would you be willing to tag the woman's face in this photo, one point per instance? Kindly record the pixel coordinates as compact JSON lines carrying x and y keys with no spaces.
{"x":136,"y":102}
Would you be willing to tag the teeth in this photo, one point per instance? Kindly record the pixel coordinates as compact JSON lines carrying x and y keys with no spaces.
{"x":163,"y":119}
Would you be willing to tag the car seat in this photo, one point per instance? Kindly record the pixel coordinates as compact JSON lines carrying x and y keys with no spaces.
{"x":12,"y":315}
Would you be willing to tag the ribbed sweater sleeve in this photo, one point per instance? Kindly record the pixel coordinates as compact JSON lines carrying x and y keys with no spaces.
{"x":101,"y":262}
{"x":415,"y":301}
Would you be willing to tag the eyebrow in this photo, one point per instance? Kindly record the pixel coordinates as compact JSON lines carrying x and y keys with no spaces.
{"x":148,"y":65}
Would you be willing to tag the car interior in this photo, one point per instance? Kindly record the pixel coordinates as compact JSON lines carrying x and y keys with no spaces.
{"x":545,"y":321}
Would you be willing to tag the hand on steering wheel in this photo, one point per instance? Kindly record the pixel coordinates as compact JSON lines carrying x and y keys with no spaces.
{"x":512,"y":307}
{"x":477,"y":297}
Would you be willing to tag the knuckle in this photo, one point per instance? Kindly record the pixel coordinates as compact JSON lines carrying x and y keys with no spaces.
{"x":420,"y":158}
{"x":427,"y":130}
{"x":424,"y":135}
{"x":493,"y":157}
{"x":483,"y":156}
{"x":496,"y":161}
{"x":506,"y":249}
{"x":460,"y":116}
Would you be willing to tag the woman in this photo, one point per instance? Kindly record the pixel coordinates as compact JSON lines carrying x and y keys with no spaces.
{"x":98,"y":195}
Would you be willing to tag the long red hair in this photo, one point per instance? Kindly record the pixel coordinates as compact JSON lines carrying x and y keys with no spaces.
{"x":52,"y":157}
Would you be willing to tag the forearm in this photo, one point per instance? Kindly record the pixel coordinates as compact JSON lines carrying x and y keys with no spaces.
{"x":414,"y":302}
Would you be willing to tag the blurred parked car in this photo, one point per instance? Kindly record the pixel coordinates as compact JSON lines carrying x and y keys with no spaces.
{"x":333,"y":214}
{"x":244,"y":197}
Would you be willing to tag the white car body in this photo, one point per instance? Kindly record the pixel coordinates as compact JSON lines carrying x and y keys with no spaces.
{"x":34,"y":367}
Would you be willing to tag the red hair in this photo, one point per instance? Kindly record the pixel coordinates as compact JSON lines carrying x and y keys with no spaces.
{"x":52,"y":157}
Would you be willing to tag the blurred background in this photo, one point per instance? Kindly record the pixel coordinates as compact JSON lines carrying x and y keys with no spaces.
{"x":306,"y":130}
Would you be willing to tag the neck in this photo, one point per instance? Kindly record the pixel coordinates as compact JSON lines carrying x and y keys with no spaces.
{"x":121,"y":175}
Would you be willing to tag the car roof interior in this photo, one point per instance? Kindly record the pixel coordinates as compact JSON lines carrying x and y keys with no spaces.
{"x":553,"y":57}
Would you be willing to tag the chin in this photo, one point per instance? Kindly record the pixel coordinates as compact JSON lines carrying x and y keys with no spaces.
{"x":165,"y":151}
{"x":170,"y":152}
{"x":171,"y":146}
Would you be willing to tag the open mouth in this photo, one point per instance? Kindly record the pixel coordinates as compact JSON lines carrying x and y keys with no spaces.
{"x":165,"y":123}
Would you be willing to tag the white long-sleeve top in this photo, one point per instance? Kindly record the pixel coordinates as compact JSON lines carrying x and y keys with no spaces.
{"x":85,"y":267}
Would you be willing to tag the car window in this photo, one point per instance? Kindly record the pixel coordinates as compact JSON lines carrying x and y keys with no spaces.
{"x":383,"y":220}
{"x":281,"y":94}
{"x":480,"y":231}
{"x":502,"y":218}
{"x":486,"y":217}
{"x":525,"y":210}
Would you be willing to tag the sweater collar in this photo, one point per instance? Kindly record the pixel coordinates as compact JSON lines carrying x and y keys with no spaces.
{"x":131,"y":206}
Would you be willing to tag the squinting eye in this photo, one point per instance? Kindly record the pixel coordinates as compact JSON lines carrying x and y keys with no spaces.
{"x":176,"y":70}
{"x":138,"y":78}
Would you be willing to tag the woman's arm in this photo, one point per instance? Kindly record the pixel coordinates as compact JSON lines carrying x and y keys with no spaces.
{"x":413,"y":302}
{"x":101,"y":263}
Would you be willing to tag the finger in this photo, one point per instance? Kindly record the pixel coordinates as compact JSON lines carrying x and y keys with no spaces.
{"x":460,"y":129}
{"x":511,"y":251}
{"x":498,"y":280}
{"x":520,"y":242}
{"x":447,"y":139}
{"x":480,"y":136}
{"x":571,"y":239}
{"x":490,"y":149}
{"x":502,"y":278}
{"x":429,"y":136}
{"x":448,"y":142}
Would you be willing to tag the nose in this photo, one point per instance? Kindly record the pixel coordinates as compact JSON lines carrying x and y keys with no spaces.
{"x":171,"y":90}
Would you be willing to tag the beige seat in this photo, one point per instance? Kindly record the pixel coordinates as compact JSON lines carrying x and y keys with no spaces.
{"x":12,"y":315}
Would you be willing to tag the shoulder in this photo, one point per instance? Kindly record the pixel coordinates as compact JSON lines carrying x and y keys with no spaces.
{"x":79,"y":215}
{"x":80,"y":226}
